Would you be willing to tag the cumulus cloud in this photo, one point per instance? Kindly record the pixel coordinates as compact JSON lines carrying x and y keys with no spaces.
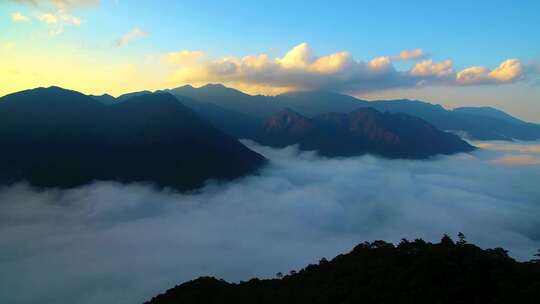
{"x":380,"y":63}
{"x":414,"y":54}
{"x":300,"y":68}
{"x":508,"y":71}
{"x":116,"y":243}
{"x":128,"y":37}
{"x":18,"y":17}
{"x":428,"y":68}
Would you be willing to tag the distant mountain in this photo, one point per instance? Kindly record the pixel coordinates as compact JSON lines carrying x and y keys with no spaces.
{"x":488,"y":112}
{"x":104,"y":99}
{"x":406,"y":137}
{"x":231,"y":122}
{"x":380,"y":272}
{"x":482,"y":127}
{"x":256,"y":106}
{"x":309,"y":103}
{"x":108,"y":99}
{"x":58,"y":138}
{"x":477,"y":123}
{"x":313,"y":103}
{"x":362,"y":131}
{"x":127,"y":96}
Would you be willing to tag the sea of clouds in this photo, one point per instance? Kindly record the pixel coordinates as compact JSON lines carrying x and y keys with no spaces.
{"x":117,"y":243}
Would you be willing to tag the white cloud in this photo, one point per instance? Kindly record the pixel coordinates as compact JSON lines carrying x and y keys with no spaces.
{"x":508,"y":71}
{"x":18,"y":17}
{"x":134,"y":34}
{"x":56,"y":14}
{"x":114,"y":243}
{"x":430,"y":68}
{"x":414,"y":54}
{"x":380,"y":63}
{"x":60,"y":4}
{"x":56,"y":22}
{"x":48,"y":18}
{"x":300,"y":68}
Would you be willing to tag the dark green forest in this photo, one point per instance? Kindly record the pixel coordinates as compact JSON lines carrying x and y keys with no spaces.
{"x":380,"y":272}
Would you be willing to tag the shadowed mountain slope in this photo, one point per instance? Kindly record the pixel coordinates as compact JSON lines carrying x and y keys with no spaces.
{"x":231,"y":122}
{"x":256,"y":106}
{"x":362,"y":131}
{"x":58,"y":138}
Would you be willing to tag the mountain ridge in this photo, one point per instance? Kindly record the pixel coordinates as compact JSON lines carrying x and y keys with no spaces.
{"x":61,"y":138}
{"x":359,"y":132}
{"x":312,"y":103}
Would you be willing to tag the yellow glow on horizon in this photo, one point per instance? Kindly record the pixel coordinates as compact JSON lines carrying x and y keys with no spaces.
{"x":517,"y":160}
{"x":21,"y":70}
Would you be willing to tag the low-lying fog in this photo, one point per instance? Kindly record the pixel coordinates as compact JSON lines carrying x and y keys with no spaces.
{"x":114,"y":243}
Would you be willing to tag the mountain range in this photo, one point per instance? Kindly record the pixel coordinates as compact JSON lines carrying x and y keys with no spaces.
{"x":365,"y":130}
{"x":479,"y":123}
{"x":53,"y":137}
{"x":183,"y":137}
{"x":346,"y":127}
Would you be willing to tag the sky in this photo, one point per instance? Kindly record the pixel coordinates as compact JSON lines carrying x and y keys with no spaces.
{"x":456,"y":54}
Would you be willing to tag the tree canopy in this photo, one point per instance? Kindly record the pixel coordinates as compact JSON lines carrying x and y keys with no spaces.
{"x":380,"y":272}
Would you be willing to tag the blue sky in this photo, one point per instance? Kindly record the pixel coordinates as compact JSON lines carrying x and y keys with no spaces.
{"x":479,"y":33}
{"x":470,"y":34}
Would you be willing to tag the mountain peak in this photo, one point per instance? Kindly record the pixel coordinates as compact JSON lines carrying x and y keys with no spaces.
{"x":207,"y":90}
{"x":365,"y":130}
{"x":52,"y":89}
{"x":127,"y":96}
{"x":155,"y":100}
{"x":47,"y":99}
{"x":218,"y":87}
{"x":215,"y":86}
